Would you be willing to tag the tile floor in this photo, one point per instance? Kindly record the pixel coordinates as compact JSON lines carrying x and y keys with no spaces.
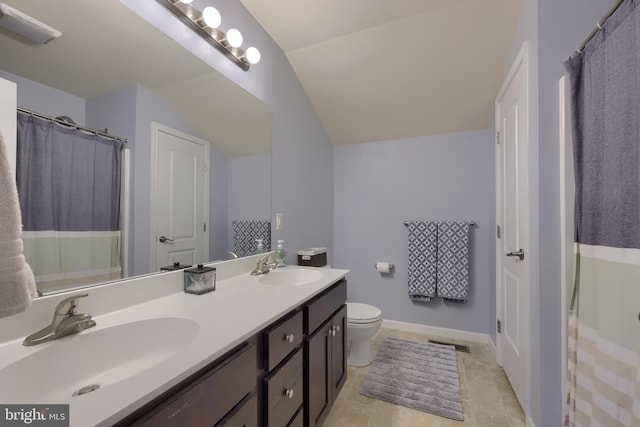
{"x":487,"y":397}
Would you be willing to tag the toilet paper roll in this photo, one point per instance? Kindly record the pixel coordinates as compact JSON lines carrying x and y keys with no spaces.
{"x":384,"y":267}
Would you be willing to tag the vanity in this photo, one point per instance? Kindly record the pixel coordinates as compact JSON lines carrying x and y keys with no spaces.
{"x":265,"y":350}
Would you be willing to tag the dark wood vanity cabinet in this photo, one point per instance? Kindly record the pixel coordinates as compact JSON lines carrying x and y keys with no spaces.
{"x":325,"y":353}
{"x":222,"y":394}
{"x":283,"y":362}
{"x":288,"y":375}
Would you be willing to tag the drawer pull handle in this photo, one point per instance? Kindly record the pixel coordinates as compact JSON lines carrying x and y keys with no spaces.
{"x":289,"y":338}
{"x":337,"y":328}
{"x":332,"y":331}
{"x":289,"y":393}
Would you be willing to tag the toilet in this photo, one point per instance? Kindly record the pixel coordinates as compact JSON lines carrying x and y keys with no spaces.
{"x":363,"y":321}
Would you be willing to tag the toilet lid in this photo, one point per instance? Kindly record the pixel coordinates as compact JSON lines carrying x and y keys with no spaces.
{"x":362,"y":313}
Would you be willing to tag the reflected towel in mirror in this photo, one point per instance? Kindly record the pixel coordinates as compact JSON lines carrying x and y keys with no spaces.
{"x":17,"y":285}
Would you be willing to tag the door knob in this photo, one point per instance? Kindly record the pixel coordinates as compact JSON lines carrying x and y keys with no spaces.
{"x":164,"y":239}
{"x":519,"y":253}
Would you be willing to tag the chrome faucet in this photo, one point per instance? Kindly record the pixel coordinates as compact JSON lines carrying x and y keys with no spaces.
{"x":263,"y":267}
{"x":65,"y":322}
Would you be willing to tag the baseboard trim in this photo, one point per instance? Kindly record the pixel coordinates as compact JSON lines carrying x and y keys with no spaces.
{"x":494,"y":349}
{"x":439,"y":332}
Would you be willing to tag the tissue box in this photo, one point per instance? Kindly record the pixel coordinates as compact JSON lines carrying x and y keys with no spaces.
{"x":313,"y":257}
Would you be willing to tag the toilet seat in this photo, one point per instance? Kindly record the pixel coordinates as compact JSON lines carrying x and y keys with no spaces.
{"x":358,"y":313}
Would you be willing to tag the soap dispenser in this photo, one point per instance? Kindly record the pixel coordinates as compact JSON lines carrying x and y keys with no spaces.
{"x":259,"y":246}
{"x":280,"y":254}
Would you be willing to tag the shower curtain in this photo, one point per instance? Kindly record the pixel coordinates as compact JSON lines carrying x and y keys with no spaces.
{"x":69,"y":190}
{"x":604,"y":327}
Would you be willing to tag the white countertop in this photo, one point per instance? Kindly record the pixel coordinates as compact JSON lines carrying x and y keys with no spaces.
{"x":240,"y":307}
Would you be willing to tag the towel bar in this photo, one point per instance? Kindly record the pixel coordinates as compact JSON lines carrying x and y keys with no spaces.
{"x":471,"y":222}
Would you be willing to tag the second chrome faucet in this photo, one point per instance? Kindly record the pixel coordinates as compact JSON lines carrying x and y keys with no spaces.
{"x":263,"y":266}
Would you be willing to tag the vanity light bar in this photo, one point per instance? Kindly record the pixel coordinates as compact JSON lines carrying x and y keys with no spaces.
{"x":193,"y":18}
{"x":26,"y":26}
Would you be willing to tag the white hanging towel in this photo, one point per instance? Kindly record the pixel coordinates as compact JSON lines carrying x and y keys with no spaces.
{"x":17,"y":285}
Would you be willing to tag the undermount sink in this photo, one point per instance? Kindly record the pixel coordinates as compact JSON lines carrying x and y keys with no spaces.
{"x":292,"y":277}
{"x":99,"y":357}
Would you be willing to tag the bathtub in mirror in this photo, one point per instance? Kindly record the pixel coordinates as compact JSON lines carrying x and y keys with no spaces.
{"x":112,"y":69}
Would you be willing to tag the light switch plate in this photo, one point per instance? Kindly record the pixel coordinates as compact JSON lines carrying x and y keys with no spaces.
{"x":279,"y":221}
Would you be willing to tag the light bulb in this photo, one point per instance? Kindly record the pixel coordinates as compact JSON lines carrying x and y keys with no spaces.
{"x":253,"y":55}
{"x":211,"y":17}
{"x":234,"y":37}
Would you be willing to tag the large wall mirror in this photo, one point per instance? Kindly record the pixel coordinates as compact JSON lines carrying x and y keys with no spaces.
{"x":113,"y":70}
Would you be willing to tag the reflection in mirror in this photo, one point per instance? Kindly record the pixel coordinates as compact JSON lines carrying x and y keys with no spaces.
{"x":196,"y":141}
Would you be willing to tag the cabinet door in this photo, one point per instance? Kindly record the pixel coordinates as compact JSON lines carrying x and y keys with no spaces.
{"x":245,"y":414}
{"x":318,"y":375}
{"x":338,"y":352}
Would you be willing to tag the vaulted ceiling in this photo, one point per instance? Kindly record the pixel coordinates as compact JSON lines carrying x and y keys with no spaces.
{"x":374,"y":70}
{"x":379,"y":70}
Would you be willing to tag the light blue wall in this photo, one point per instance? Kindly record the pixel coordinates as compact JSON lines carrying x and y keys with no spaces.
{"x":380,"y":185}
{"x":251,"y":177}
{"x":150,"y":108}
{"x":47,"y":100}
{"x":302,"y":164}
{"x":554,"y":30}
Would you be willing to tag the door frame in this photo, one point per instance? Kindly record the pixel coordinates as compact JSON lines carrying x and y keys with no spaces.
{"x":8,"y":120}
{"x":567,"y":222}
{"x":155,"y":129}
{"x":521,"y":61}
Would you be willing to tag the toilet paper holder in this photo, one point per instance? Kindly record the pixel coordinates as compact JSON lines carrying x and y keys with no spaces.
{"x":389,"y":267}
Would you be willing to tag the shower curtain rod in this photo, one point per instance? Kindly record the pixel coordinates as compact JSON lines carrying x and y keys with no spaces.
{"x":598,"y":26}
{"x":73,"y":125}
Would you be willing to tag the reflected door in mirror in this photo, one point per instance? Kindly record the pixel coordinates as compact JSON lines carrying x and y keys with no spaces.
{"x":181,"y":202}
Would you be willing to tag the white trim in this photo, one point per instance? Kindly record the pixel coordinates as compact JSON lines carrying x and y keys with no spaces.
{"x":521,"y":61}
{"x":438,"y":331}
{"x":567,"y":194}
{"x":125,"y":209}
{"x":8,"y":119}
{"x":494,"y":349}
{"x":155,"y":128}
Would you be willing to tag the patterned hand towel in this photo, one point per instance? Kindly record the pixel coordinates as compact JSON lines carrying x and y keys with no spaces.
{"x":245,"y":234}
{"x":17,"y":285}
{"x":423,"y":238}
{"x":453,"y":260}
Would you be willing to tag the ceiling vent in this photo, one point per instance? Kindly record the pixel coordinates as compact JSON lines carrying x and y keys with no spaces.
{"x":26,"y":26}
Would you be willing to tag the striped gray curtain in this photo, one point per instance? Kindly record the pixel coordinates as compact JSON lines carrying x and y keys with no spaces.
{"x":604,"y":333}
{"x":69,"y":189}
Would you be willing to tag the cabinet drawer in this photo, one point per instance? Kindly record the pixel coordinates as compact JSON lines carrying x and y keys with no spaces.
{"x":284,"y":391}
{"x":298,"y":420}
{"x":209,"y":397}
{"x":321,"y":308}
{"x":282,"y":339}
{"x":244,"y":415}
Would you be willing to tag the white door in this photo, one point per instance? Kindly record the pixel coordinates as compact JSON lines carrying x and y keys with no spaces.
{"x":181,"y":202}
{"x":512,"y":217}
{"x":8,"y":121}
